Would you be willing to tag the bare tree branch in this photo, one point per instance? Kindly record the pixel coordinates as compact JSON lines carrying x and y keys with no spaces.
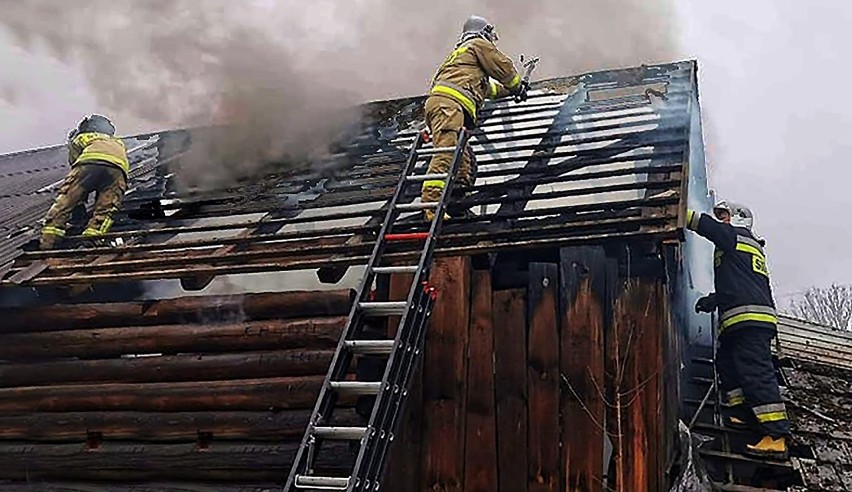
{"x":830,"y":306}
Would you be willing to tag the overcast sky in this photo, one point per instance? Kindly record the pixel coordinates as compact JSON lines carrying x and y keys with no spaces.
{"x":777,"y":112}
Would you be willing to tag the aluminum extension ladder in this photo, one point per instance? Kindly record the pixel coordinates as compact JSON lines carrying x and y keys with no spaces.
{"x":402,"y":353}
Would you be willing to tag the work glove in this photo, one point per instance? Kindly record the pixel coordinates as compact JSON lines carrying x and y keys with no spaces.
{"x":706,"y":304}
{"x":522,"y":94}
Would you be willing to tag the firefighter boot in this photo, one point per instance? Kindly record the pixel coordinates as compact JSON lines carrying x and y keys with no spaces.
{"x":768,"y":448}
{"x":429,"y":215}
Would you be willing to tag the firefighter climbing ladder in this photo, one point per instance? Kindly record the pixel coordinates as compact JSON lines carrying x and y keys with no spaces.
{"x":403,"y":352}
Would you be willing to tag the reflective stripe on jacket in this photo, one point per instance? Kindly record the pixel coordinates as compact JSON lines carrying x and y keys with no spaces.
{"x":98,"y":147}
{"x":741,"y":275}
{"x":465,"y":76}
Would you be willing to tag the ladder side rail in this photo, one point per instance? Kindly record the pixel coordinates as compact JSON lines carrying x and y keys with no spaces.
{"x":327,"y":397}
{"x":424,"y":268}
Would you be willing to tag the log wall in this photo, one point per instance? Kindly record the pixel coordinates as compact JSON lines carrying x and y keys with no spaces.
{"x":522,"y":389}
{"x":198,"y":393}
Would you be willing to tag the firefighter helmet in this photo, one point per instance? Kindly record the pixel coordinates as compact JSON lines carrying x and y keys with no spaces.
{"x":741,"y":215}
{"x":478,"y":27}
{"x":96,"y":123}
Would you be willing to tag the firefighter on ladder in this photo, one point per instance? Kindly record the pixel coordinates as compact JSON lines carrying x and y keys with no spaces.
{"x":747,"y":326}
{"x":474,"y":71}
{"x":99,"y":164}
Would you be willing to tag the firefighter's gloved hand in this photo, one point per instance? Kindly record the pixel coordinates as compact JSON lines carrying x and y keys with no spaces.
{"x":523,"y":92}
{"x":706,"y":304}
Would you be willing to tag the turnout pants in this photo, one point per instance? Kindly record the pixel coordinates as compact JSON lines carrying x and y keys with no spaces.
{"x":445,"y":118}
{"x":107,"y":181}
{"x":744,"y":363}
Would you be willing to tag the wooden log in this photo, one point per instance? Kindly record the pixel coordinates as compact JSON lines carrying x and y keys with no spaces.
{"x":404,"y":465}
{"x":248,"y":394}
{"x":182,"y":310}
{"x":543,"y":378}
{"x":233,"y":461}
{"x":480,"y":470}
{"x":162,"y":427}
{"x":40,"y":486}
{"x":583,"y":287}
{"x":170,"y":339}
{"x":510,"y":373}
{"x":445,"y":377}
{"x":167,"y":368}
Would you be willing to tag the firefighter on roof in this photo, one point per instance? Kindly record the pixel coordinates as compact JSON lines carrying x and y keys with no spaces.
{"x":747,"y":326}
{"x":474,"y":71}
{"x":98,"y":164}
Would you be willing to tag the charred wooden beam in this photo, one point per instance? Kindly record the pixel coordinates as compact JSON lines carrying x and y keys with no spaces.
{"x":445,"y":377}
{"x":180,"y":310}
{"x":510,"y":375}
{"x":543,"y":378}
{"x":134,"y":461}
{"x":480,"y":470}
{"x":584,"y":287}
{"x":32,"y":484}
{"x":161,"y":369}
{"x":170,"y":339}
{"x":247,"y":394}
{"x":480,"y":246}
{"x":161,"y":426}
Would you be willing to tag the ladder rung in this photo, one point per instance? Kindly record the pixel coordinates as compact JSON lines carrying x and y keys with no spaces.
{"x":341,"y":433}
{"x":417,"y":206}
{"x":395,"y":269}
{"x":323,"y":483}
{"x":365,"y":347}
{"x":358,"y":388}
{"x":426,"y":177}
{"x":383,"y":308}
{"x":411,"y":236}
{"x":436,"y":150}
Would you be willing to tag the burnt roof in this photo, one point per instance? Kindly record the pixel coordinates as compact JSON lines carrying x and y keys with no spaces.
{"x":593,"y":158}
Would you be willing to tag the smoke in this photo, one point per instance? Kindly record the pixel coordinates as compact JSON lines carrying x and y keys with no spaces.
{"x":287,"y":75}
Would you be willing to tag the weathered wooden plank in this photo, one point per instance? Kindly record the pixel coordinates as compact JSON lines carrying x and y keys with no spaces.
{"x":161,"y":369}
{"x":543,"y":377}
{"x":40,"y":486}
{"x":636,"y":359}
{"x":170,"y":339}
{"x":234,"y":461}
{"x":249,"y":394}
{"x":583,"y":288}
{"x":404,"y":465}
{"x":510,"y":372}
{"x":445,"y":377}
{"x":182,"y":310}
{"x":162,"y":426}
{"x":480,"y":470}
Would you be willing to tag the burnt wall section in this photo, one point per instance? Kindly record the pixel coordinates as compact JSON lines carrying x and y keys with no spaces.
{"x":179,"y":394}
{"x":565,"y":383}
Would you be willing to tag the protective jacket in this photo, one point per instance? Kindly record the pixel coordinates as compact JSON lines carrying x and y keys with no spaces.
{"x":93,"y":147}
{"x":743,"y":291}
{"x":465,"y":76}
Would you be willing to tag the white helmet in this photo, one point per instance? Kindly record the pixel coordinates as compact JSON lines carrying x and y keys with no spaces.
{"x":478,"y":27}
{"x":741,"y":215}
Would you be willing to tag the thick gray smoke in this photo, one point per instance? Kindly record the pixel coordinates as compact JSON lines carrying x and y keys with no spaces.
{"x":286,"y":75}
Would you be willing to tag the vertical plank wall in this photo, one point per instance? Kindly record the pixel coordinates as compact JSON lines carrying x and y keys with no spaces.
{"x":520,"y":388}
